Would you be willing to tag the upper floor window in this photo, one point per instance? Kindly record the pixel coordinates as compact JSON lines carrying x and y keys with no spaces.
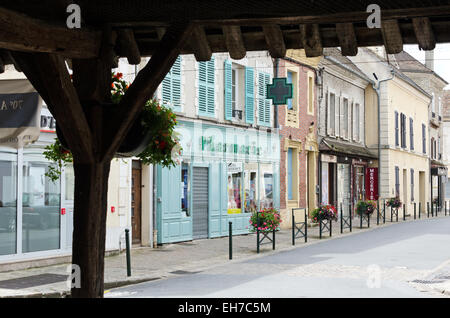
{"x":356,"y":122}
{"x":310,"y":95}
{"x":396,"y":128}
{"x":331,"y":126}
{"x":403,"y":130}
{"x":290,"y":81}
{"x":345,"y":119}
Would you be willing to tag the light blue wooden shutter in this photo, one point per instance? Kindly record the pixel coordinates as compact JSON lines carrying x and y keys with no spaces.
{"x":171,"y":86}
{"x":228,"y":90}
{"x":249,"y":95}
{"x":206,"y":88}
{"x":263,"y":102}
{"x":176,"y":84}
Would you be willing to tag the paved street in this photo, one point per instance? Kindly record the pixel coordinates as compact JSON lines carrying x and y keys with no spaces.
{"x":409,"y":259}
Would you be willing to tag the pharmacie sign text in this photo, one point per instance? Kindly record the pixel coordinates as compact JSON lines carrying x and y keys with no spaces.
{"x":208,"y":144}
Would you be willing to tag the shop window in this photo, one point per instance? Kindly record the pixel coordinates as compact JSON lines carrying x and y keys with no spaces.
{"x":266,"y":192}
{"x":251,"y":187}
{"x":234,"y":188}
{"x":8,"y":202}
{"x":289,"y":81}
{"x":70,"y":183}
{"x":41,"y":206}
{"x":185,"y":189}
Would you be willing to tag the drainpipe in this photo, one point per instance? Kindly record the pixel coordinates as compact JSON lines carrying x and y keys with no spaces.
{"x":377,"y":90}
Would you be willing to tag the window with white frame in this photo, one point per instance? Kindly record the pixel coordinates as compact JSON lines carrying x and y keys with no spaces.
{"x":331,"y":114}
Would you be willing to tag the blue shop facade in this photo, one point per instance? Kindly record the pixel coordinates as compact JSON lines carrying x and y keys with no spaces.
{"x":224,"y":174}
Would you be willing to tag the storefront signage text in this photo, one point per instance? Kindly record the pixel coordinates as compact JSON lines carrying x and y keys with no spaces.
{"x":372,"y":183}
{"x":208,"y":144}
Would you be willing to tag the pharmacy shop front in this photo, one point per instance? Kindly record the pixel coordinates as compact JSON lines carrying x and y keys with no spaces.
{"x":224,"y":174}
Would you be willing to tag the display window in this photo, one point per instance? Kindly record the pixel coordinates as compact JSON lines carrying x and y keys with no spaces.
{"x":266,"y":192}
{"x":251,"y":186}
{"x":234,"y":188}
{"x":8,"y":202}
{"x":185,"y":188}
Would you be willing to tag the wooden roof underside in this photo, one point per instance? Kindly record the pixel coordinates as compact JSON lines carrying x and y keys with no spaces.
{"x":221,"y":26}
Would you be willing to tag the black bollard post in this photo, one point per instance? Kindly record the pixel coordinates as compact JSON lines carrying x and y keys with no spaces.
{"x":273,"y":240}
{"x":404,"y":216}
{"x":320,"y":229}
{"x":331,"y":226}
{"x":391,"y":213}
{"x":230,"y":239}
{"x":342,"y":224}
{"x":414,"y":210}
{"x":306,"y":227}
{"x":350,"y":215}
{"x":428,"y":209}
{"x":293,"y":228}
{"x":127,"y":241}
{"x":384,"y":211}
{"x":378,"y":212}
{"x":420,"y":208}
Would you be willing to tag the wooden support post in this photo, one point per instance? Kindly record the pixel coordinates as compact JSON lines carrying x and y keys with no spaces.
{"x":127,"y":46}
{"x":392,"y":36}
{"x":424,"y":33}
{"x":347,"y":38}
{"x":200,"y":45}
{"x":311,"y":40}
{"x":275,"y":40}
{"x":234,"y":41}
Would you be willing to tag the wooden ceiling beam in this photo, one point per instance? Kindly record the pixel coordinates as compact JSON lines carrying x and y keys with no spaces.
{"x":311,"y":41}
{"x":19,"y":32}
{"x":424,"y":33}
{"x":127,"y":44}
{"x":200,"y":45}
{"x":274,"y":40}
{"x":392,"y":36}
{"x":234,"y":41}
{"x":347,"y":39}
{"x":2,"y":66}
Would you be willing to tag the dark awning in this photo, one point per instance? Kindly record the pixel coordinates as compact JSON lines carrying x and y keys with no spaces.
{"x":332,"y":146}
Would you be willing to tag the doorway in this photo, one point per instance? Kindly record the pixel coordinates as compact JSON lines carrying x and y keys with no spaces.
{"x":136,"y":202}
{"x":200,"y":202}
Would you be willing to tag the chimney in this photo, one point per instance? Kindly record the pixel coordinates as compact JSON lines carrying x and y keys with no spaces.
{"x":429,"y":60}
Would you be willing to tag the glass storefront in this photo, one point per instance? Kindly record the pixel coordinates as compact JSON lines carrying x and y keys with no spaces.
{"x":8,"y":201}
{"x":266,"y":193}
{"x":40,"y":205}
{"x":343,"y":187}
{"x":185,"y":189}
{"x":234,"y":188}
{"x":251,"y":187}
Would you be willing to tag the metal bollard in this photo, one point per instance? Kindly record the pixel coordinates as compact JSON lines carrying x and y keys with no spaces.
{"x":293,"y":228}
{"x":350,"y":215}
{"x":404,"y":217}
{"x":428,"y":209}
{"x":342,"y":224}
{"x":273,"y":240}
{"x":414,"y":210}
{"x":306,"y":227}
{"x":127,"y":241}
{"x":420,"y":208}
{"x":384,"y":211}
{"x":230,"y":239}
{"x":378,"y":212}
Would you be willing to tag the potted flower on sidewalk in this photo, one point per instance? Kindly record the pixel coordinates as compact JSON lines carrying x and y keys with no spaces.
{"x":266,"y":220}
{"x":395,"y":203}
{"x":324,"y":212}
{"x":365,"y":207}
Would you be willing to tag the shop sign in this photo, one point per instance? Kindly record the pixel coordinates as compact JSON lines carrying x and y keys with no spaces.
{"x":372,"y":183}
{"x":439,"y":171}
{"x":48,"y":123}
{"x":328,"y":158}
{"x":208,"y":144}
{"x":19,"y":119}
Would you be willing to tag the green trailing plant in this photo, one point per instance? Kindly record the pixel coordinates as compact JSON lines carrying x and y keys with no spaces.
{"x":157,"y":120}
{"x":394,"y":203}
{"x":59,"y":157}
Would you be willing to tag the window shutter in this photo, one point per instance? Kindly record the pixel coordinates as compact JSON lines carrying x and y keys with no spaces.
{"x":424,"y":140}
{"x":329,"y":117}
{"x":176,"y":84}
{"x":267,"y":102}
{"x":411,"y":133}
{"x":396,"y":128}
{"x":361,"y":123}
{"x":211,"y":87}
{"x":337,"y":118}
{"x":354,"y":119}
{"x":397,"y":182}
{"x":349,"y":119}
{"x":249,"y":95}
{"x":228,"y":90}
{"x":202,"y":88}
{"x":206,"y":88}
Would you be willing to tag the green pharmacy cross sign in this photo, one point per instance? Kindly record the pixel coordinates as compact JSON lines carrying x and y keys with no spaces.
{"x":279,"y":91}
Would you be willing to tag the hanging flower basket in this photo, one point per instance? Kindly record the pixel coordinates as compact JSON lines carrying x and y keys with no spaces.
{"x":324,"y":212}
{"x":394,"y":203}
{"x":265,"y":221}
{"x":152,"y":137}
{"x":365,"y":207}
